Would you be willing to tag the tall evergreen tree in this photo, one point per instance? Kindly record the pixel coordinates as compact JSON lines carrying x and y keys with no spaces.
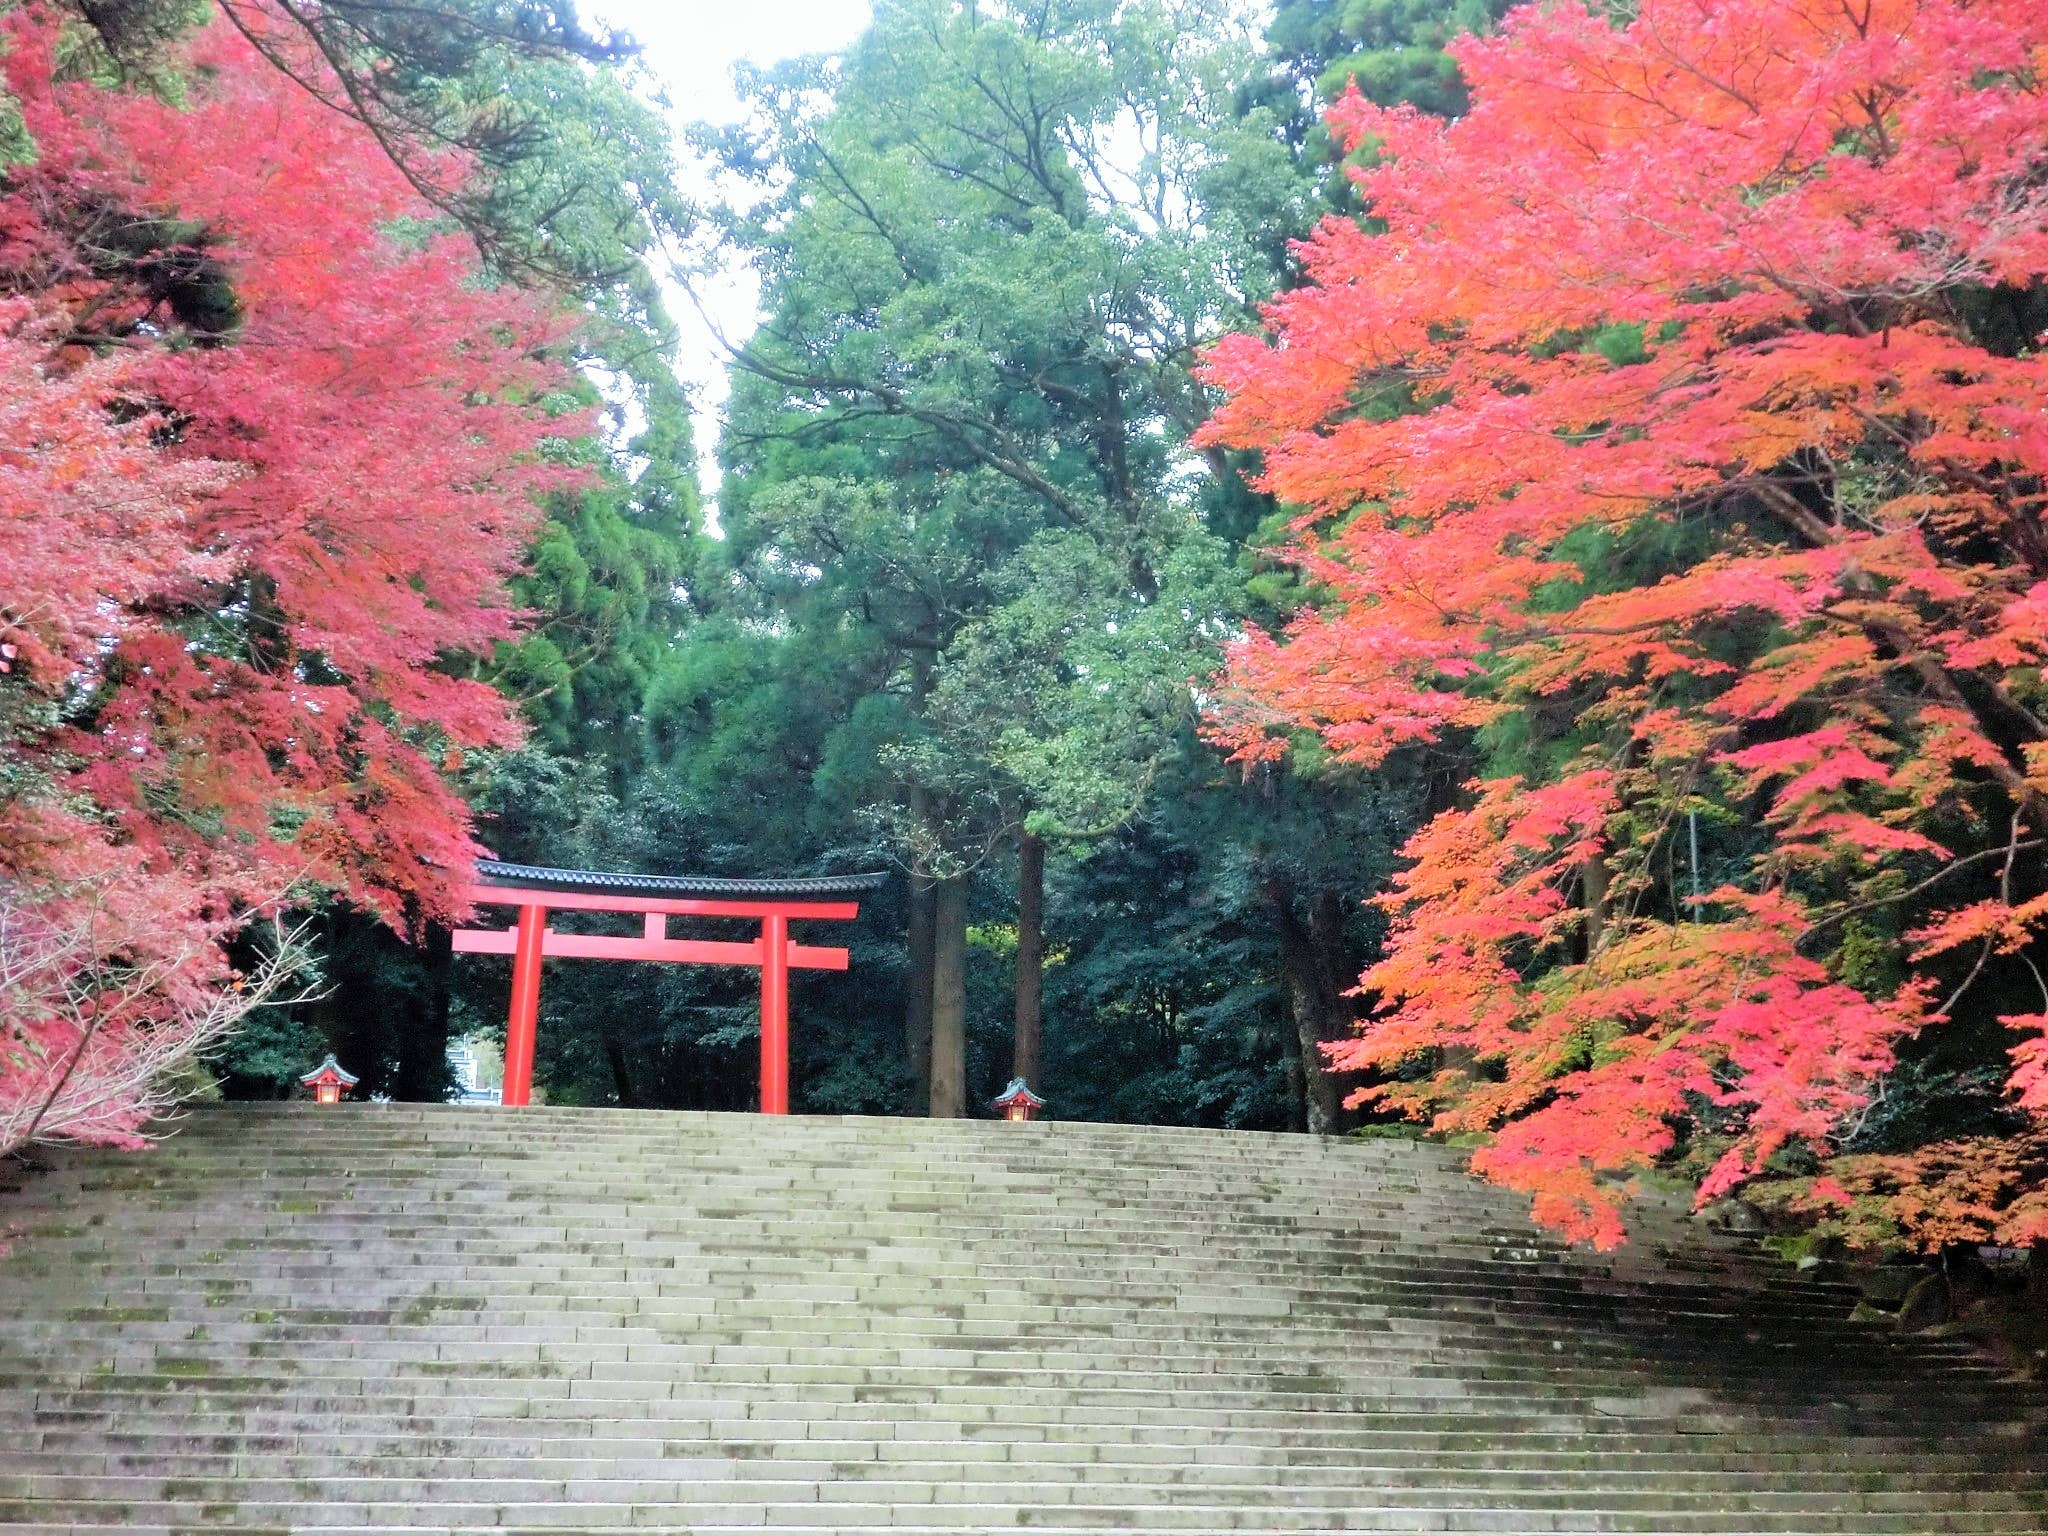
{"x":992,"y":243}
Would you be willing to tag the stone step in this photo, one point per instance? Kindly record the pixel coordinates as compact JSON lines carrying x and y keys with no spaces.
{"x":284,"y":1362}
{"x":419,"y":1328}
{"x":770,"y":1435}
{"x":322,"y":1293}
{"x":564,"y":1478}
{"x":1472,"y":1523}
{"x":985,"y":1483}
{"x":794,"y":1518}
{"x":557,"y":1372}
{"x":765,"y":1436}
{"x":883,"y":1418}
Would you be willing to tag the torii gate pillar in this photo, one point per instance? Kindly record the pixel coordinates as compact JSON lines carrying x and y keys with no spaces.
{"x":775,"y":1015}
{"x":523,"y":1022}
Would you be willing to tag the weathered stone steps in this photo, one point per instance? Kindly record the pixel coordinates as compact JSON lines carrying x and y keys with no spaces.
{"x":403,"y":1319}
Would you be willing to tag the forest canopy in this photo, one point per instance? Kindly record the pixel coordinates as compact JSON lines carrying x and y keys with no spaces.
{"x":1391,"y":567}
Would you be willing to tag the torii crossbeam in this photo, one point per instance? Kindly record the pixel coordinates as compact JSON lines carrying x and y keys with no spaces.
{"x":536,"y":891}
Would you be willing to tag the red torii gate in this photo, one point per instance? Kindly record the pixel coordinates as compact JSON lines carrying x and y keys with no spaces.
{"x":536,"y":891}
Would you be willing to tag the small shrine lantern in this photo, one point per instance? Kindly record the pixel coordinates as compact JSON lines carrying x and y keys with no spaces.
{"x":1017,"y":1102}
{"x":328,"y":1081}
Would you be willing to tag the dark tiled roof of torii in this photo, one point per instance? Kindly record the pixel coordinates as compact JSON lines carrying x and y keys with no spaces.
{"x":536,"y":877}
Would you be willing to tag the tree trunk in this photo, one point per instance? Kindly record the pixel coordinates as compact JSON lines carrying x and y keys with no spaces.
{"x":917,"y":983}
{"x":917,"y":999}
{"x":1338,"y":968}
{"x":1326,"y":932}
{"x":622,"y":1074}
{"x":1312,"y":1001}
{"x":423,"y":1038}
{"x":1030,"y":955}
{"x":1290,"y":1059}
{"x":1593,"y":882}
{"x":949,"y":999}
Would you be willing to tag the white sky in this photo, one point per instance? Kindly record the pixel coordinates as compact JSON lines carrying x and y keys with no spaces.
{"x":691,"y":45}
{"x":689,"y":48}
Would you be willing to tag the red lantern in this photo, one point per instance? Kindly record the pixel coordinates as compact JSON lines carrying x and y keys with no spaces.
{"x":1017,"y":1102}
{"x":328,"y":1081}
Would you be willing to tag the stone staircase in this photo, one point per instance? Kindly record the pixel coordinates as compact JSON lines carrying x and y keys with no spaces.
{"x":395,"y":1318}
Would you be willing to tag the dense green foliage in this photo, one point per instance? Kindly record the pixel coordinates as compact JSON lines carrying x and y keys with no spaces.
{"x":958,"y":494}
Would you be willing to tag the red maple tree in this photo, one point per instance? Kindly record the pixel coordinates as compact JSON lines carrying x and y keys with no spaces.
{"x":1672,"y":445}
{"x":268,"y":453}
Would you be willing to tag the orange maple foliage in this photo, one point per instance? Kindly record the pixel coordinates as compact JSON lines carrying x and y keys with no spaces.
{"x":268,"y":453}
{"x":1676,"y":432}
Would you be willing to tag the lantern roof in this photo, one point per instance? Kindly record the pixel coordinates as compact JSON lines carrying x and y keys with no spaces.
{"x":1019,"y":1092}
{"x":330,"y":1071}
{"x":538,"y":877}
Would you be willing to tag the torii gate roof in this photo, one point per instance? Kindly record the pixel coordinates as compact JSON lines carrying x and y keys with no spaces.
{"x":538,"y":877}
